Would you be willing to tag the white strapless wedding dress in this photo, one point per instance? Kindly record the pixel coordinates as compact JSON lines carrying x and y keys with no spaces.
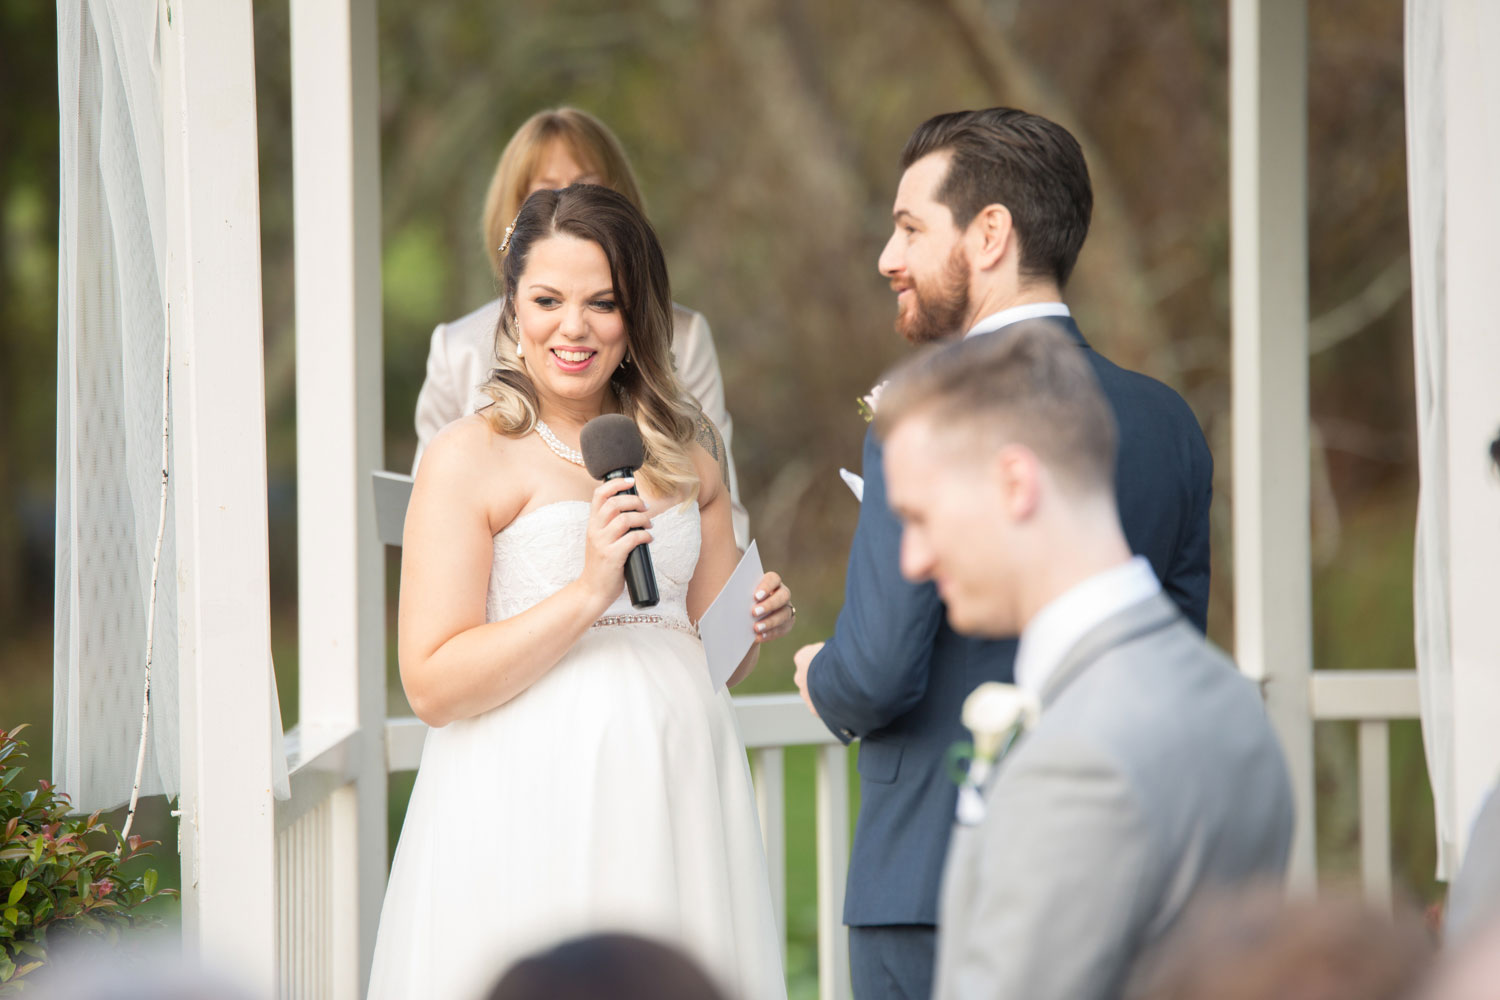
{"x":613,"y":794}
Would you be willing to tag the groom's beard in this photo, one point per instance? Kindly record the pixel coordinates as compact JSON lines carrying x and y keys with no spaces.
{"x":937,"y":310}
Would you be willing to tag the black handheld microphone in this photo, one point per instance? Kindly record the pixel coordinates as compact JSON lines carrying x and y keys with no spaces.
{"x":612,"y":449}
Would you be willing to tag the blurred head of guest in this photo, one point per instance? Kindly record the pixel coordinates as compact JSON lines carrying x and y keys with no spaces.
{"x":1262,"y":946}
{"x":999,"y":459}
{"x":619,"y":966}
{"x":992,"y":209}
{"x":553,"y":149}
{"x":142,"y":965}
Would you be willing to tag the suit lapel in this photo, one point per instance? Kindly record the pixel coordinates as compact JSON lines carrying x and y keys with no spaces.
{"x":1142,"y":618}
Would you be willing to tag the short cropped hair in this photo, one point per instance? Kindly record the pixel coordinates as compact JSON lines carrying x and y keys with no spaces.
{"x":1032,"y":166}
{"x":590,"y":141}
{"x":1029,"y":384}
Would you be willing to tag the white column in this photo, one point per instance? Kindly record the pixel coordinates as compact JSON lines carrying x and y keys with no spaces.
{"x":1272,"y":552}
{"x":219,"y":474}
{"x":832,"y":789}
{"x":1472,"y":93}
{"x":341,"y":562}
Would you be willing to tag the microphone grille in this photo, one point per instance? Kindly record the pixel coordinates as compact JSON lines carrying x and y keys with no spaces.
{"x":611,"y":442}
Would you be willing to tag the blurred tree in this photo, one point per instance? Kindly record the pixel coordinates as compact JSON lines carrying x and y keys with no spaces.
{"x":28,"y":295}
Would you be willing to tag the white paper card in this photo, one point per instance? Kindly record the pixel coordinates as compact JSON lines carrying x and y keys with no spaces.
{"x":855,"y":483}
{"x":727,"y":628}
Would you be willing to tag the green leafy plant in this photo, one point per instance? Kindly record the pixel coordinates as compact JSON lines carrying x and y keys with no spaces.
{"x":55,"y":879}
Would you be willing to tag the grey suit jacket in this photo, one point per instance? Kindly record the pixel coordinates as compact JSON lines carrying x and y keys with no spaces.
{"x":459,"y":360}
{"x":1152,"y":775}
{"x":1474,"y":893}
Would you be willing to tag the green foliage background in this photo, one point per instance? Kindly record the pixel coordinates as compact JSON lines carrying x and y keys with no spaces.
{"x":766,"y":135}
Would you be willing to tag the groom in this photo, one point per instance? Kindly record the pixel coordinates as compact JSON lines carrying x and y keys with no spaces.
{"x":990,"y":215}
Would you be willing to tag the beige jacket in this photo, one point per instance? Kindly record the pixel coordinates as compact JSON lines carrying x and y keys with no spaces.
{"x":459,"y":362}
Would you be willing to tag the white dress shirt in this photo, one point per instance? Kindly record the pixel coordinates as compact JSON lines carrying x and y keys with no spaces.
{"x":1057,"y":628}
{"x":1005,"y":317}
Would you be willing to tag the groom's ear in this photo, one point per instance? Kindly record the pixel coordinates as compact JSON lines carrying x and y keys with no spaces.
{"x":990,"y":235}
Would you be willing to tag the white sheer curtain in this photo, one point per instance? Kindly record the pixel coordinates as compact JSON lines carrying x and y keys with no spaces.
{"x":1426,"y":209}
{"x":1453,"y":163}
{"x":110,"y":352}
{"x":110,"y":324}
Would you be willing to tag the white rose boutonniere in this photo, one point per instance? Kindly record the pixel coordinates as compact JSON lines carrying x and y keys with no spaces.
{"x":995,"y":714}
{"x":870,"y":401}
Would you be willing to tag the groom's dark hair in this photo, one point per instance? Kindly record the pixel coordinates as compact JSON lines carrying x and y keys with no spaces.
{"x":1032,"y":166}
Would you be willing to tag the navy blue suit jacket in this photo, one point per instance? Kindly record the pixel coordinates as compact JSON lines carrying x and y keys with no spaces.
{"x":894,"y":675}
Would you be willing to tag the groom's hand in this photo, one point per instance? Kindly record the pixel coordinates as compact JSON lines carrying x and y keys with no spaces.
{"x":803,"y":659}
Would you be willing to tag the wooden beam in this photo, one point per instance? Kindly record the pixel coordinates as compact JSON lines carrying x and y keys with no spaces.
{"x":1359,"y":695}
{"x":1272,"y":549}
{"x":340,"y":427}
{"x":219,"y":475}
{"x":1472,"y":91}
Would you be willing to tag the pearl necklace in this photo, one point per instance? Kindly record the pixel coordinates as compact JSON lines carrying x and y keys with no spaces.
{"x":559,"y":449}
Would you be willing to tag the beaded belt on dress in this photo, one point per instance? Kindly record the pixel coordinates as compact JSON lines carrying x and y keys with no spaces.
{"x":675,"y":624}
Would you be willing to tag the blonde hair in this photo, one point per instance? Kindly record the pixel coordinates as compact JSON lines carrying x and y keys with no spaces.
{"x":1034,"y":386}
{"x":590,"y":141}
{"x":646,"y":386}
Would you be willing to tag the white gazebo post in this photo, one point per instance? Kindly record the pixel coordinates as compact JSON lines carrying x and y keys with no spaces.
{"x":218,"y":468}
{"x":1471,"y":93}
{"x":1272,"y":550}
{"x":341,"y":562}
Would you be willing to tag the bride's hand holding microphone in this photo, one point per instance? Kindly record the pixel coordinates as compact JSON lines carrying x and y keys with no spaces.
{"x":618,"y":524}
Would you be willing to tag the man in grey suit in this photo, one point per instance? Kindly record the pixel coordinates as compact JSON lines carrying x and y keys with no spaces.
{"x":1152,"y":773}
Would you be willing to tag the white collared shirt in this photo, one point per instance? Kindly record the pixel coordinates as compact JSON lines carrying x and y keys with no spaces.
{"x":1015,"y":314}
{"x":1057,"y":628}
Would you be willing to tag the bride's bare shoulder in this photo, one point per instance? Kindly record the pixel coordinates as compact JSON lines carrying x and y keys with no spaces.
{"x":457,"y":447}
{"x":468,"y":458}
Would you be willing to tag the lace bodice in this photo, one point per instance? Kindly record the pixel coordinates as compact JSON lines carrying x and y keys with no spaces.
{"x":541,"y":551}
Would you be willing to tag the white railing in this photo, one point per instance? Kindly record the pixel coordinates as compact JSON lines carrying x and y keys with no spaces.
{"x":317,"y":838}
{"x":316,"y":835}
{"x":769,"y":723}
{"x":317,"y":846}
{"x":305,"y":904}
{"x":1373,"y":699}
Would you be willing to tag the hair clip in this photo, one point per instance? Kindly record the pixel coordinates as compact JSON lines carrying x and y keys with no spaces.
{"x":505,"y":243}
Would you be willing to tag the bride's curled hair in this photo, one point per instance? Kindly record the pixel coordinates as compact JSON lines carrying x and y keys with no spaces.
{"x":646,"y":389}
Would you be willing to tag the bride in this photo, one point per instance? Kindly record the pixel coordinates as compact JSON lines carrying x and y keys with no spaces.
{"x":582,"y":773}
